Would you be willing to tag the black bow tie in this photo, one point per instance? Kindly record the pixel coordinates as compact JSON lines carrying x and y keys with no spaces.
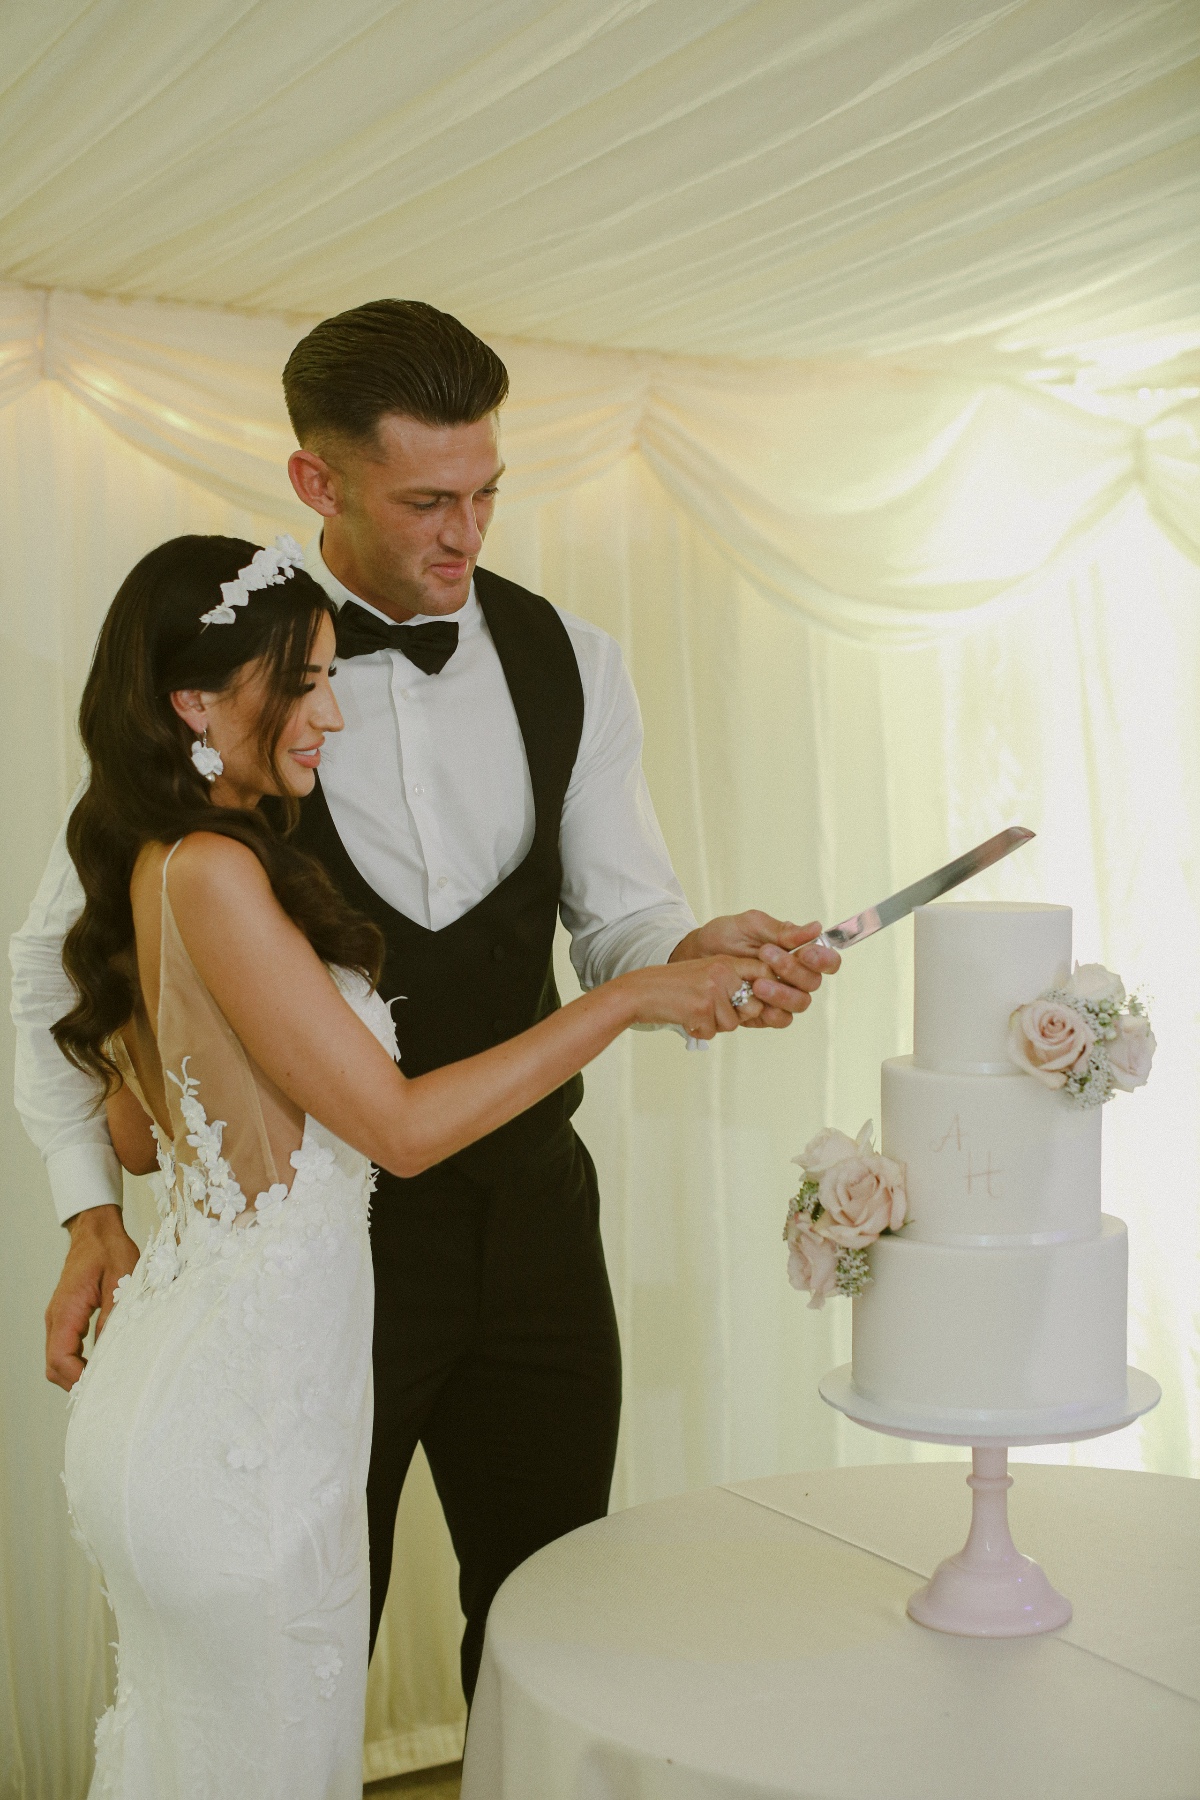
{"x":429,"y":646}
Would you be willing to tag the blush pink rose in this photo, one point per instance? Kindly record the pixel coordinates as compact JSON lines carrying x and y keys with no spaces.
{"x":862,"y":1196}
{"x":830,"y":1147}
{"x":1131,"y":1052}
{"x":1092,"y":981}
{"x":1047,"y":1040}
{"x":812,"y":1262}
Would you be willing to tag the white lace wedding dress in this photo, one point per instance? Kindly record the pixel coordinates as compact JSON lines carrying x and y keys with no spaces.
{"x":217,"y":1449}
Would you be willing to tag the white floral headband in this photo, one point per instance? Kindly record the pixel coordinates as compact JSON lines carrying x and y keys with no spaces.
{"x":268,"y":568}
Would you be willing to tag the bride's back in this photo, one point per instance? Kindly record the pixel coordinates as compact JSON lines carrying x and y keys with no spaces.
{"x":178,"y":1053}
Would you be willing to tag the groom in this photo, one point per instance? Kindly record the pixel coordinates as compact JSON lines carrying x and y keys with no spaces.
{"x":488,"y":781}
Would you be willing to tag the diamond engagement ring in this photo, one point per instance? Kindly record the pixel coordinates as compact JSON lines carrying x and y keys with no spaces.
{"x":740,"y":996}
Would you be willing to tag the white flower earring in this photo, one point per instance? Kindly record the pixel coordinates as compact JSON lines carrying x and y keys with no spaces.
{"x":207,"y":760}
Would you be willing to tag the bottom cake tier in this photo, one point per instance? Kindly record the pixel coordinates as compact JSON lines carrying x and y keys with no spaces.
{"x":1013,"y":1329}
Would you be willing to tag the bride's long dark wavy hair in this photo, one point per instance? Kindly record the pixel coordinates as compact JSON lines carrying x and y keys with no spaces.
{"x":143,"y":786}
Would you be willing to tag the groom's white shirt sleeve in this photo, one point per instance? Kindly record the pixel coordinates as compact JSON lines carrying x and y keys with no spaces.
{"x":56,"y":1101}
{"x":621,"y":900}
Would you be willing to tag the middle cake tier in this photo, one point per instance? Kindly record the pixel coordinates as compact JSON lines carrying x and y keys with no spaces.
{"x":991,"y":1159}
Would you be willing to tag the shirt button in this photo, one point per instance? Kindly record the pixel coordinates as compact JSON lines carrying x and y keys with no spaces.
{"x":406,"y":693}
{"x":441,"y":881}
{"x":417,"y":788}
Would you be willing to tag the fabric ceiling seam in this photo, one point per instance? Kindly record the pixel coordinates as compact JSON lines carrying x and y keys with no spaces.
{"x":617,"y":9}
{"x":568,"y":235}
{"x":98,"y":225}
{"x":681,"y":282}
{"x":146,"y":99}
{"x":617,"y":12}
{"x":916,"y":125}
{"x":880,"y":346}
{"x":593,"y":157}
{"x":1094,"y":285}
{"x":1058,"y":118}
{"x":893,"y":343}
{"x":744,"y":253}
{"x":887,"y":253}
{"x":44,"y":52}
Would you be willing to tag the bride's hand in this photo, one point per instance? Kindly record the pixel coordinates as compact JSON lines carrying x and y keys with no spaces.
{"x":695,"y":994}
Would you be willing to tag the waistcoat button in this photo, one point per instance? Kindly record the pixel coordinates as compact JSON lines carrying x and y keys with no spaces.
{"x":498,"y":1025}
{"x":497,"y":952}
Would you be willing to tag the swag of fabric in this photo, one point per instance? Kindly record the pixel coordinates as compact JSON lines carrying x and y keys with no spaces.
{"x":884,"y":503}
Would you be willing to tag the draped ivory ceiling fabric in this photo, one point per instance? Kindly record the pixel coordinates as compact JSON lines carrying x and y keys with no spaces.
{"x":749,"y":178}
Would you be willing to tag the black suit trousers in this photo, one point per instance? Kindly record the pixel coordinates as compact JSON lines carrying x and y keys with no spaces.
{"x":495,"y":1348}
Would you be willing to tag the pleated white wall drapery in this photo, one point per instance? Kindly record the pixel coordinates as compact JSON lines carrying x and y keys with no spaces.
{"x":873,"y":613}
{"x":875,"y":499}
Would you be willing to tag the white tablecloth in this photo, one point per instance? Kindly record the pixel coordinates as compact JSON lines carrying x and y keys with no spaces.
{"x":752,"y":1641}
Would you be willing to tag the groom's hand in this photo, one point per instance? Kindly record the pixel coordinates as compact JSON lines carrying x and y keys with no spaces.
{"x":788,"y":950}
{"x":101,"y":1252}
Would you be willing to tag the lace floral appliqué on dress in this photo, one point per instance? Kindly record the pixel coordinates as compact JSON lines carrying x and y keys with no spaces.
{"x":218,"y":1443}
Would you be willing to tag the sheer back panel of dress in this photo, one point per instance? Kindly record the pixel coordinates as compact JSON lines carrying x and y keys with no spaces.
{"x":194,"y":1054}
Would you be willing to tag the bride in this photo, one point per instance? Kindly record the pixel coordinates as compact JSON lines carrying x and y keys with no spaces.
{"x":217,"y":1449}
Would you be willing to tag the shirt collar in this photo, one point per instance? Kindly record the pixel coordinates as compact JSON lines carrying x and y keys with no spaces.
{"x":469,"y":617}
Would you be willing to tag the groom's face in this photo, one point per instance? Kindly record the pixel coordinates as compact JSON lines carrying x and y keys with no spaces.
{"x":405,"y":517}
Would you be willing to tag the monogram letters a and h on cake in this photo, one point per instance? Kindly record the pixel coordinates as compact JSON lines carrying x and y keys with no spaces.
{"x":982,"y":1171}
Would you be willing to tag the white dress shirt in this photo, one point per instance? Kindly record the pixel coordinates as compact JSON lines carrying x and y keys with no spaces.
{"x":429,"y":789}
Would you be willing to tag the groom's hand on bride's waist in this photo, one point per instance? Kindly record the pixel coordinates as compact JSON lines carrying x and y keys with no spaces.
{"x":796,"y":961}
{"x":101,"y":1252}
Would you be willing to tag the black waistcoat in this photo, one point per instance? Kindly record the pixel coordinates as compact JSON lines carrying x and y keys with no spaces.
{"x":490,"y":974}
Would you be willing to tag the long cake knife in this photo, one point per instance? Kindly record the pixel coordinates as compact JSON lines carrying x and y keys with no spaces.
{"x":898,"y":906}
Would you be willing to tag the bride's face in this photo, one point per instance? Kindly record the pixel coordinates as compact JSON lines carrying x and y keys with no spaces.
{"x":233,"y":718}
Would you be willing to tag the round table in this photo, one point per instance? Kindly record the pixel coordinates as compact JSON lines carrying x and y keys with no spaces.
{"x":751,"y":1640}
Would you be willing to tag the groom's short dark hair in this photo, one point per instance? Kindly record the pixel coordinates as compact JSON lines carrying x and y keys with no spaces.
{"x":390,"y":356}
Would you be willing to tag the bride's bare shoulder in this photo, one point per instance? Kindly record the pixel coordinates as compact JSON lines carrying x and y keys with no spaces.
{"x":208,"y":870}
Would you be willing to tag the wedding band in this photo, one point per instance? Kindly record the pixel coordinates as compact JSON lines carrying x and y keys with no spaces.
{"x":740,"y":995}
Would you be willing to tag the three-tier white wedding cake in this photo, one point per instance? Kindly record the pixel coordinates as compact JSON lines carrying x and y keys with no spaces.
{"x":1001,"y":1304}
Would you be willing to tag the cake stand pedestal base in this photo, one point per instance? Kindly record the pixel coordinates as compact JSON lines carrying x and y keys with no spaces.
{"x":989,"y":1589}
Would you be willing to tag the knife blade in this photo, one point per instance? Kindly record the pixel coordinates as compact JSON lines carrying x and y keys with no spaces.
{"x":898,"y":906}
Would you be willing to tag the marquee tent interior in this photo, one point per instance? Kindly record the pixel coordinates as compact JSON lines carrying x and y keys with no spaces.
{"x":855,"y":356}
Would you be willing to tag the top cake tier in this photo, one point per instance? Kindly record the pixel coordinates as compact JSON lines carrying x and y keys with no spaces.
{"x":975,"y":964}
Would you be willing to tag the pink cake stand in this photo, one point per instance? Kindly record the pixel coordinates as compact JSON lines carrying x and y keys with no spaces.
{"x":989,"y":1589}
